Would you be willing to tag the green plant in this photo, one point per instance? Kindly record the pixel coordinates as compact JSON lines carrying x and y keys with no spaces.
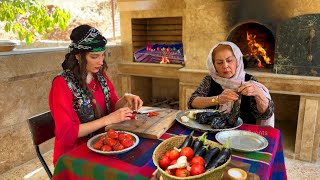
{"x":31,"y":18}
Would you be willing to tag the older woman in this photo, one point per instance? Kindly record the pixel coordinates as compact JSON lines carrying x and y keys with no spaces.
{"x":228,"y":80}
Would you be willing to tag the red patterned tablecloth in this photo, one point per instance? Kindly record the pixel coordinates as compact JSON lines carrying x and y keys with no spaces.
{"x":82,"y":163}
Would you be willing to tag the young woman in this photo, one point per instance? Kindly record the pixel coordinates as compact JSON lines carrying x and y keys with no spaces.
{"x":82,"y":99}
{"x":227,"y":80}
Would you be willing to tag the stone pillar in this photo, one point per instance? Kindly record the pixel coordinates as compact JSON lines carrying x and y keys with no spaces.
{"x":308,"y":134}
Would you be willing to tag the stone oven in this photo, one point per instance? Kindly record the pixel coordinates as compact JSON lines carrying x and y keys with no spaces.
{"x":204,"y":23}
{"x":256,"y":42}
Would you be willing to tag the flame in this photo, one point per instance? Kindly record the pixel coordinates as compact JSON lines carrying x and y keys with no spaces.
{"x":165,"y":60}
{"x":257,"y":49}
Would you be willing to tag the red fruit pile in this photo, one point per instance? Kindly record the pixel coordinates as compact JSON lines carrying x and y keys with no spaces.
{"x":170,"y":158}
{"x":114,"y":141}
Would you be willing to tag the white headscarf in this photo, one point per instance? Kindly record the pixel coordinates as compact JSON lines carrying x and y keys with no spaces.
{"x":235,"y":82}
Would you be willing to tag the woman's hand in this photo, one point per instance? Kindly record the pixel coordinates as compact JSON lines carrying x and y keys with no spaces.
{"x":122,"y":114}
{"x":228,"y":95}
{"x":250,"y":89}
{"x":134,"y":101}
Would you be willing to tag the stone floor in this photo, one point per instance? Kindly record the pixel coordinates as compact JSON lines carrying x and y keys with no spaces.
{"x":32,"y":170}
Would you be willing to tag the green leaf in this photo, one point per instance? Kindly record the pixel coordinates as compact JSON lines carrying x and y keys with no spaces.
{"x":29,"y":18}
{"x":7,"y":27}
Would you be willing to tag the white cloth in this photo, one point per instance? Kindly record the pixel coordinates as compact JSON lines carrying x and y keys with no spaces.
{"x":239,"y":78}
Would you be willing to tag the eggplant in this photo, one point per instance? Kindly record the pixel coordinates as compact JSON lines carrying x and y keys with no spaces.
{"x":212,"y":153}
{"x":223,"y":157}
{"x":219,"y":122}
{"x":199,"y":141}
{"x":202,"y":151}
{"x":188,"y":141}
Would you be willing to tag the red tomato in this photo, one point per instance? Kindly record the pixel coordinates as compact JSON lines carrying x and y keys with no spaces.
{"x":103,"y":137}
{"x":121,"y":136}
{"x":169,"y":171}
{"x":198,"y":160}
{"x":173,"y":162}
{"x":113,"y":134}
{"x":133,"y":116}
{"x":150,"y":114}
{"x":110,"y":141}
{"x":164,"y":162}
{"x":117,"y":147}
{"x":167,"y":154}
{"x":106,"y":148}
{"x":128,"y":136}
{"x":182,"y":172}
{"x":98,"y":145}
{"x":127,"y":142}
{"x":197,"y":169}
{"x":174,"y":154}
{"x":187,"y":151}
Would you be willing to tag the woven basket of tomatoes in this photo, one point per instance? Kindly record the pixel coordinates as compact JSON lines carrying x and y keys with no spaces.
{"x":188,"y":157}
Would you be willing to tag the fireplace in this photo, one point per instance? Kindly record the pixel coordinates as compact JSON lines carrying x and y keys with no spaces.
{"x":157,"y":40}
{"x":257,"y":44}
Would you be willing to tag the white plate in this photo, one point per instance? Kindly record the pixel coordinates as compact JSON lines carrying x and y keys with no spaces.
{"x":243,"y":140}
{"x":193,"y":124}
{"x":96,"y":138}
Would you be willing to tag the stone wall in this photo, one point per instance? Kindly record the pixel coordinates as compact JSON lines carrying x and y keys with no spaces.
{"x":25,"y":82}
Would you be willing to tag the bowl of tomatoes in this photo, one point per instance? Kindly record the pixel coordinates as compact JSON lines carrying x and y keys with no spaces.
{"x":113,"y":142}
{"x":169,"y":153}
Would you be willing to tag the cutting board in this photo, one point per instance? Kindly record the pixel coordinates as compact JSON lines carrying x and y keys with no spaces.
{"x":148,"y":127}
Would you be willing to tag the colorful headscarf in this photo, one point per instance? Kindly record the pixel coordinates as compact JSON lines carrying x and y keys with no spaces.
{"x":239,"y":78}
{"x":85,"y":38}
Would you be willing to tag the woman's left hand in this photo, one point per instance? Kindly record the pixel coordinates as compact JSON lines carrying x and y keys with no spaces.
{"x":134,"y":101}
{"x":250,"y":89}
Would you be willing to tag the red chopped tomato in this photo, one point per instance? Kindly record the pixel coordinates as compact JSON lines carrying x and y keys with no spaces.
{"x":153,"y":113}
{"x":133,"y":116}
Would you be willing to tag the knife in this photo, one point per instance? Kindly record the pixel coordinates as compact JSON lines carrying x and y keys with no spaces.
{"x":145,"y":111}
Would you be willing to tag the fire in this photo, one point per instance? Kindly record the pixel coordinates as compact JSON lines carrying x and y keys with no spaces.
{"x":257,"y":49}
{"x":164,"y":60}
